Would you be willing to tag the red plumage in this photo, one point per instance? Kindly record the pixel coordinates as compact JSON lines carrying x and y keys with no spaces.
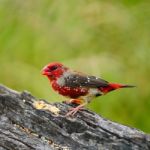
{"x":79,"y":87}
{"x":69,"y":92}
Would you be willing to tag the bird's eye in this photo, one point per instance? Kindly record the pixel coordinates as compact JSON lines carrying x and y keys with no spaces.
{"x":53,"y":68}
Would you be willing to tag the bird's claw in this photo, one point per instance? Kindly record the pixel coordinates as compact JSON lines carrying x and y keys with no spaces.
{"x":73,"y":111}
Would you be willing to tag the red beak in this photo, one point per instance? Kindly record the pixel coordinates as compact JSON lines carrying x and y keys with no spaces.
{"x":45,"y":71}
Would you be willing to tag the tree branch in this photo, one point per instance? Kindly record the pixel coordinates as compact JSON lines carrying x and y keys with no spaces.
{"x":26,"y":123}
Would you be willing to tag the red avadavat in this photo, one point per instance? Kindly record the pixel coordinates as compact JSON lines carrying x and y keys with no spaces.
{"x":79,"y":87}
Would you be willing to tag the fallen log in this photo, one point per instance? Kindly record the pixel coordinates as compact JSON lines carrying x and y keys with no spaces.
{"x":29,"y":123}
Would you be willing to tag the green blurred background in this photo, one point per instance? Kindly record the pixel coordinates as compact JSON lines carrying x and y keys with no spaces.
{"x":106,"y":38}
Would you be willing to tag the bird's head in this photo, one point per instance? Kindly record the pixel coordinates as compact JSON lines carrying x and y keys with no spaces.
{"x":53,"y":70}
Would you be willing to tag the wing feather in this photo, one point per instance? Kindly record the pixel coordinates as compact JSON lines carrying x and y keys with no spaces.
{"x":77,"y":80}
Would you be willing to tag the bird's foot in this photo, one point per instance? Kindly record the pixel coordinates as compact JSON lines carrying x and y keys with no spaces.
{"x":73,"y":111}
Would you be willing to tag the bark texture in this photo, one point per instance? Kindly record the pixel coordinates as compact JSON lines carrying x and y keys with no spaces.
{"x":26,"y":123}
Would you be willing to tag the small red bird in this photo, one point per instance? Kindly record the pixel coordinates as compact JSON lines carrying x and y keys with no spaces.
{"x":79,"y":87}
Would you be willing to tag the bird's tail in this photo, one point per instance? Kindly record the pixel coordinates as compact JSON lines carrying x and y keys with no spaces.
{"x":114,"y":86}
{"x":118,"y":86}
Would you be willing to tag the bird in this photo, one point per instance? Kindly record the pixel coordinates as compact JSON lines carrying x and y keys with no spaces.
{"x":79,"y":87}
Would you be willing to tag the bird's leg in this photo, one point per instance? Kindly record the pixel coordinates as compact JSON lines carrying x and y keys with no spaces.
{"x":73,"y":111}
{"x":74,"y":101}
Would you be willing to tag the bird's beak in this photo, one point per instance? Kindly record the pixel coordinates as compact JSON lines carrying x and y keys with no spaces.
{"x":45,"y":71}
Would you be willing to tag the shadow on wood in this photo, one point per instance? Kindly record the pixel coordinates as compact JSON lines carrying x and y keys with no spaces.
{"x":26,"y":123}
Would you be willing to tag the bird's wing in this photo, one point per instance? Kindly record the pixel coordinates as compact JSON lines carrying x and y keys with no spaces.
{"x":77,"y":80}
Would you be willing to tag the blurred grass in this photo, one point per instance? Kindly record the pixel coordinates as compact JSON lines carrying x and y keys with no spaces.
{"x":104,"y":38}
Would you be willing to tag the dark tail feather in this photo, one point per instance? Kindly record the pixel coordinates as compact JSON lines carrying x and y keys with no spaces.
{"x":127,"y":86}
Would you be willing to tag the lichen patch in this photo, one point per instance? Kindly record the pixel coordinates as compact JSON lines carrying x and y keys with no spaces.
{"x":44,"y":106}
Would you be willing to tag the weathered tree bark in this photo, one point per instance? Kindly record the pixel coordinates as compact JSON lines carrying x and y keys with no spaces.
{"x":26,"y":123}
